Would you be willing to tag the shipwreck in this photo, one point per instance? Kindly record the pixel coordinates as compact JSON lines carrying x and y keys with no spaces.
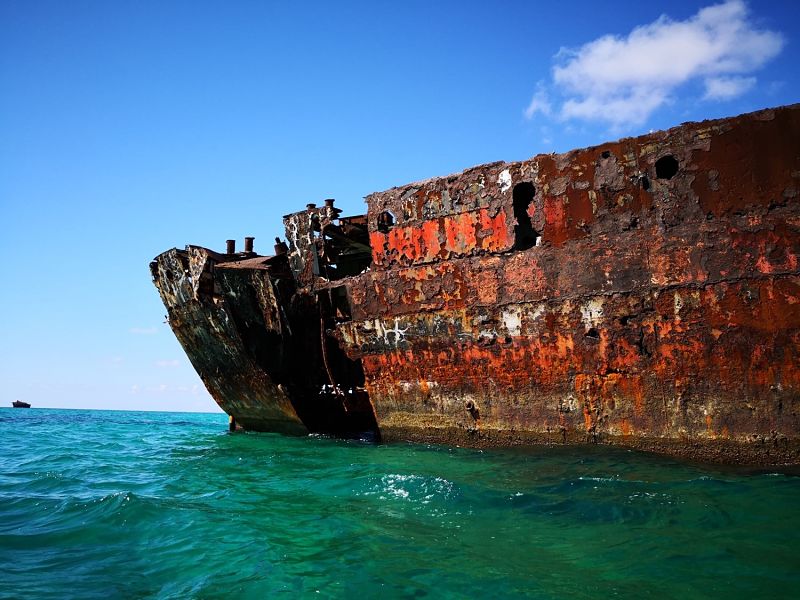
{"x":644,"y":292}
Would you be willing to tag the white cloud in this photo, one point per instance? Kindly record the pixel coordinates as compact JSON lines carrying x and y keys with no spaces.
{"x":621,"y":81}
{"x":725,"y":88}
{"x":143,"y":330}
{"x":539,"y":103}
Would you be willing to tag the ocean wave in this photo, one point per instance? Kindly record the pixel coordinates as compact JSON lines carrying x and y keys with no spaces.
{"x":155,"y":508}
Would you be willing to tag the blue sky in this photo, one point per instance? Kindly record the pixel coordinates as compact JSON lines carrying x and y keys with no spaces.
{"x":130,"y":128}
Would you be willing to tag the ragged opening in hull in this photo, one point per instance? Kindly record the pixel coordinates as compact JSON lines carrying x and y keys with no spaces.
{"x":325,"y":385}
{"x":261,"y":345}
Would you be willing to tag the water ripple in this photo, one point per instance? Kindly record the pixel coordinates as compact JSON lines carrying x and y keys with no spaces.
{"x":156,"y":505}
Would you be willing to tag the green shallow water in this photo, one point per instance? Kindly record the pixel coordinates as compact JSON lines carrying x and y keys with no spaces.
{"x":97,"y":504}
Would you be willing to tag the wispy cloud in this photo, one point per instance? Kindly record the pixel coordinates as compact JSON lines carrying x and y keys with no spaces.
{"x":621,"y":81}
{"x":725,"y":88}
{"x":143,"y":330}
{"x":539,"y":103}
{"x":164,"y":388}
{"x":167,"y":364}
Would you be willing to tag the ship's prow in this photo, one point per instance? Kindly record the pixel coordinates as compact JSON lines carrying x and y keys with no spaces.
{"x":246,"y":329}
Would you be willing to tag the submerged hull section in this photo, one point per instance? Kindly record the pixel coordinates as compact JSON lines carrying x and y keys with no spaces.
{"x":644,"y":292}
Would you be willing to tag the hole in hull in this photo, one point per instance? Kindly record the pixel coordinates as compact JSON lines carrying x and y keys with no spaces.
{"x":525,"y":236}
{"x":325,"y":386}
{"x":385,"y":221}
{"x":332,"y":398}
{"x":666,"y":167}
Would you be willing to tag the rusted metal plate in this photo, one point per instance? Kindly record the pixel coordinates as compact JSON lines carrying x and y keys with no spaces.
{"x":644,"y":292}
{"x":204,"y":319}
{"x":658,"y":309}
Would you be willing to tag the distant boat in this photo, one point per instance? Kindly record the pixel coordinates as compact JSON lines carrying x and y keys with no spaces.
{"x":20,"y":404}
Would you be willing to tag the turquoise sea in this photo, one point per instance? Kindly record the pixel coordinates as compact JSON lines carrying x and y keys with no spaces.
{"x":106,"y":504}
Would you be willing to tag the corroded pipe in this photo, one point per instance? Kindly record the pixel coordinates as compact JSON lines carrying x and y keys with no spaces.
{"x":280,"y":247}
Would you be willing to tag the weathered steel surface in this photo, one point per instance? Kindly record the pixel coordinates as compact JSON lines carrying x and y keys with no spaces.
{"x":260,"y":345}
{"x":655,"y":308}
{"x":643,"y":292}
{"x":203,"y":314}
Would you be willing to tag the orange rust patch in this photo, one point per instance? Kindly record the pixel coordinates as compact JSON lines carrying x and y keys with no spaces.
{"x":446,"y":237}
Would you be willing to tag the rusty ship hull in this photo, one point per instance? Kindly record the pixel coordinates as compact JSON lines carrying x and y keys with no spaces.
{"x":644,"y":292}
